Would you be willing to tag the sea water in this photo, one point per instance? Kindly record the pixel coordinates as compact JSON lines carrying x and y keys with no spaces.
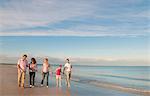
{"x":129,"y":76}
{"x":137,"y":77}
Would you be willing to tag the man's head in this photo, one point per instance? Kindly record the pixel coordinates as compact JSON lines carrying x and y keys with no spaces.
{"x":24,"y":56}
{"x":67,"y":60}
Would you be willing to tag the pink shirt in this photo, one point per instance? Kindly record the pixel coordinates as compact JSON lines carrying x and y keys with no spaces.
{"x":58,"y":71}
{"x":45,"y":67}
{"x":33,"y":67}
{"x":23,"y":64}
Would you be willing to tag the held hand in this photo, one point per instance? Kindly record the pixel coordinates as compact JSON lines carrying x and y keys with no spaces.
{"x":18,"y":66}
{"x":27,"y":65}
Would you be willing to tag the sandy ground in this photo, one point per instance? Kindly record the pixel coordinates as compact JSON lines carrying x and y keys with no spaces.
{"x":8,"y":87}
{"x":8,"y":81}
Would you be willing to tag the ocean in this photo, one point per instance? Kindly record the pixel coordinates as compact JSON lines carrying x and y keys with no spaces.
{"x":136,"y":77}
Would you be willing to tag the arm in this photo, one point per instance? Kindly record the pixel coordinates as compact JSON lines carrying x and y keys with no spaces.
{"x":64,"y":70}
{"x":36,"y":67}
{"x":27,"y":64}
{"x":42,"y":70}
{"x":18,"y":66}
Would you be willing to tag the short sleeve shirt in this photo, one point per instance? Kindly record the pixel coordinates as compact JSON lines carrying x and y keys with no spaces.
{"x":23,"y":64}
{"x":68,"y":66}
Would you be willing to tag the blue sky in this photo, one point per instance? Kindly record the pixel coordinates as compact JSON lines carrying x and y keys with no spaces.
{"x":106,"y":31}
{"x":95,"y":50}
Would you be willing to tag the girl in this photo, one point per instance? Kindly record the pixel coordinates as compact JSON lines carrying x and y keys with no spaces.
{"x":45,"y":71}
{"x":58,"y":76}
{"x":32,"y":70}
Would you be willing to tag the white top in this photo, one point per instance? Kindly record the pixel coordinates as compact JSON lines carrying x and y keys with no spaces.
{"x":68,"y":67}
{"x":46,"y":67}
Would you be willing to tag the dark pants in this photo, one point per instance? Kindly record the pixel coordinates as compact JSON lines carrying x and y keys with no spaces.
{"x":47,"y":76}
{"x":32,"y":77}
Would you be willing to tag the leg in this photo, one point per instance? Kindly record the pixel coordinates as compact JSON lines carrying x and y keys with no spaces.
{"x":43,"y":78}
{"x":33,"y":78}
{"x":47,"y":77}
{"x":68,"y":81}
{"x":22,"y":79}
{"x":66,"y":78}
{"x":70,"y":75}
{"x":57,"y":80}
{"x":30,"y":77}
{"x":19,"y":77}
{"x":60,"y":81}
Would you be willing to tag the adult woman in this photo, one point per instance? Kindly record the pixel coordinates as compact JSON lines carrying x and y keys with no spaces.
{"x":32,"y":70}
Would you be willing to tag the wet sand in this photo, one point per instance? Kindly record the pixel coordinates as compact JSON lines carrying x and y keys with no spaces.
{"x":8,"y":87}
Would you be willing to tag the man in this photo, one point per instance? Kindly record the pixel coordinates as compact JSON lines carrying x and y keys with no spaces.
{"x":67,"y":70}
{"x":22,"y":66}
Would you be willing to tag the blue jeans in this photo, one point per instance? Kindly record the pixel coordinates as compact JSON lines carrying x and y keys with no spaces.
{"x":47,"y":76}
{"x":32,"y":78}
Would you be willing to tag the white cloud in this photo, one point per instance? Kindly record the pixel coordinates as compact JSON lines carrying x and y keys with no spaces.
{"x":40,"y":12}
{"x":19,"y":15}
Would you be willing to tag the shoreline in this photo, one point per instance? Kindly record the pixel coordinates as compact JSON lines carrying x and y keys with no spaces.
{"x":106,"y":85}
{"x":82,"y":65}
{"x":115,"y":87}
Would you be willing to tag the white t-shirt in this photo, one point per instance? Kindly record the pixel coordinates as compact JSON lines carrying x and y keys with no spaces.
{"x":68,"y":66}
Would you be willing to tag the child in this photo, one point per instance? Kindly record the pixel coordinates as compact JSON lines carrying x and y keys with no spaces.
{"x":32,"y":70}
{"x":45,"y":71}
{"x":58,"y":76}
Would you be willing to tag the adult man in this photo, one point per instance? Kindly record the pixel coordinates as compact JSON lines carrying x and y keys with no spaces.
{"x":67,"y":70}
{"x":22,"y":66}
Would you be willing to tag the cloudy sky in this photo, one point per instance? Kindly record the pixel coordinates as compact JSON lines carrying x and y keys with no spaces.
{"x":106,"y":31}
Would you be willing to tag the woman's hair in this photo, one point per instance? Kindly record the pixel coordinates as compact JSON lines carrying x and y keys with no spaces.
{"x":33,"y":60}
{"x":46,"y":59}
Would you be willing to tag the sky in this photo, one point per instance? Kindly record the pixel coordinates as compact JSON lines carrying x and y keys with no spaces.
{"x":100,"y":32}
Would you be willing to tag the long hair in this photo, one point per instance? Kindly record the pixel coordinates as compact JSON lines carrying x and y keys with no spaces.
{"x":33,"y":60}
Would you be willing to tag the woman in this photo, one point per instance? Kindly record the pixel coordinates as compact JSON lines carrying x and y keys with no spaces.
{"x":45,"y":71}
{"x":32,"y":70}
